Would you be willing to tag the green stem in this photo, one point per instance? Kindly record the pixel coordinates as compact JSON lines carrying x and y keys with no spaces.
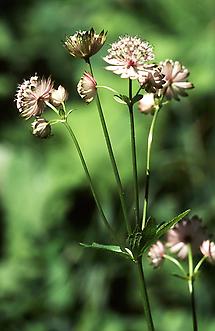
{"x":148,"y":159}
{"x":192,"y":289}
{"x":78,"y":148}
{"x":134,"y":155}
{"x":146,"y":304}
{"x":112,"y":158}
{"x":176,"y":262}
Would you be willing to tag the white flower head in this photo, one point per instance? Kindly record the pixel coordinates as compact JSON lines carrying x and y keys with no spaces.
{"x":128,"y":56}
{"x":32,"y":95}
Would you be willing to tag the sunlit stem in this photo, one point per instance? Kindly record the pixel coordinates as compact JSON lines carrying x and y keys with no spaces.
{"x":112,"y":158}
{"x":197,"y":267}
{"x":148,"y":159}
{"x":134,"y":155}
{"x":176,"y":262}
{"x":107,"y":88}
{"x":191,"y":288}
{"x":146,"y":304}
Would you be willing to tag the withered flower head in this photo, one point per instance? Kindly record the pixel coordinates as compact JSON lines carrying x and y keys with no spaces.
{"x":84,"y":44}
{"x":32,"y":94}
{"x":147,"y":103}
{"x":151,"y":79}
{"x":186,"y":232}
{"x":156,"y":254}
{"x":58,"y":96}
{"x":41,"y":128}
{"x":87,"y":87}
{"x":128,"y":56}
{"x":208,"y":249}
{"x":175,"y":75}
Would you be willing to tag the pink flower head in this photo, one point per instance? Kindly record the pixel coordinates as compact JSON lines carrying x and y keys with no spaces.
{"x":32,"y":95}
{"x":156,"y":254}
{"x":87,"y":87}
{"x":175,"y":75}
{"x":128,"y":56}
{"x":186,"y":232}
{"x":84,"y":44}
{"x":208,"y":249}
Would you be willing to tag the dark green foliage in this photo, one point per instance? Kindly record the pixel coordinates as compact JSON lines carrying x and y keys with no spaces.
{"x":48,"y":282}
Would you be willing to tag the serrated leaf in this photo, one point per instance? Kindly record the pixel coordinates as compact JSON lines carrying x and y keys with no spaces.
{"x":110,"y":248}
{"x":163,"y":228}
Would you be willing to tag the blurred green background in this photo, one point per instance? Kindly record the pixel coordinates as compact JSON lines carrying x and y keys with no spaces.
{"x":47,"y":281}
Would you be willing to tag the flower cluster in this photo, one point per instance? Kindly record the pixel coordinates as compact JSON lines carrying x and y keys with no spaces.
{"x":32,"y":97}
{"x":188,"y":233}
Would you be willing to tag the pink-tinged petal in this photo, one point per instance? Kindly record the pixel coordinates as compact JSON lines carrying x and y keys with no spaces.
{"x":183,"y":85}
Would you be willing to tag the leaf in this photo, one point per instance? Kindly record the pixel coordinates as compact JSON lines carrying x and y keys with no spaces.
{"x":137,"y":98}
{"x":110,"y":248}
{"x":163,"y":228}
{"x":122,"y":99}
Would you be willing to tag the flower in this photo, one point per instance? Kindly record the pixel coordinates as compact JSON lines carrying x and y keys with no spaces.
{"x":84,"y":44}
{"x":208,"y":249}
{"x":151,"y":79}
{"x":87,"y":87}
{"x":156,"y":254}
{"x":58,"y":96}
{"x":147,"y":103}
{"x":32,"y":95}
{"x":187,"y":231}
{"x":41,"y":128}
{"x":128,"y":56}
{"x":176,"y":79}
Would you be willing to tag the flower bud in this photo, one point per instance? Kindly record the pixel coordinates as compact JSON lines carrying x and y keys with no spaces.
{"x":41,"y":128}
{"x":58,"y":96}
{"x":147,"y":103}
{"x":87,"y":87}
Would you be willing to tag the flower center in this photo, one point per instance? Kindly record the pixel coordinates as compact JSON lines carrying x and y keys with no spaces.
{"x":131,"y":63}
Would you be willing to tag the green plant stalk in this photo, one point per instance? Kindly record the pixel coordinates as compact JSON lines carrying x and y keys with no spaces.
{"x":112,"y":158}
{"x":134,"y":156}
{"x":192,"y":289}
{"x":178,"y":264}
{"x":78,"y":148}
{"x":148,"y":159}
{"x":146,"y":305}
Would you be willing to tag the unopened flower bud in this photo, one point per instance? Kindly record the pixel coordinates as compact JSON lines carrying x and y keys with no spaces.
{"x":41,"y":128}
{"x":147,"y":103}
{"x":208,"y":249}
{"x":58,"y":96}
{"x":87,"y":87}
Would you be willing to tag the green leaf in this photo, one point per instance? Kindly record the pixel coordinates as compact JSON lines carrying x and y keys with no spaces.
{"x":137,"y":98}
{"x":163,"y":228}
{"x":122,"y":99}
{"x":110,"y":248}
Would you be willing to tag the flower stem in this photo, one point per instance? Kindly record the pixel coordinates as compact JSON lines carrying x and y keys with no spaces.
{"x":78,"y":148}
{"x":134,"y":155}
{"x":191,"y":289}
{"x":176,"y":262}
{"x":146,"y":304}
{"x":148,"y":159}
{"x":112,"y":158}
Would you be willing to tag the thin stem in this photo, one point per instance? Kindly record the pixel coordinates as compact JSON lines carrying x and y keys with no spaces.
{"x":148,"y":159}
{"x":178,"y":264}
{"x":196,"y":269}
{"x":107,"y":88}
{"x":191,"y":289}
{"x":134,"y":155}
{"x":112,"y":158}
{"x":146,"y":305}
{"x":78,"y":148}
